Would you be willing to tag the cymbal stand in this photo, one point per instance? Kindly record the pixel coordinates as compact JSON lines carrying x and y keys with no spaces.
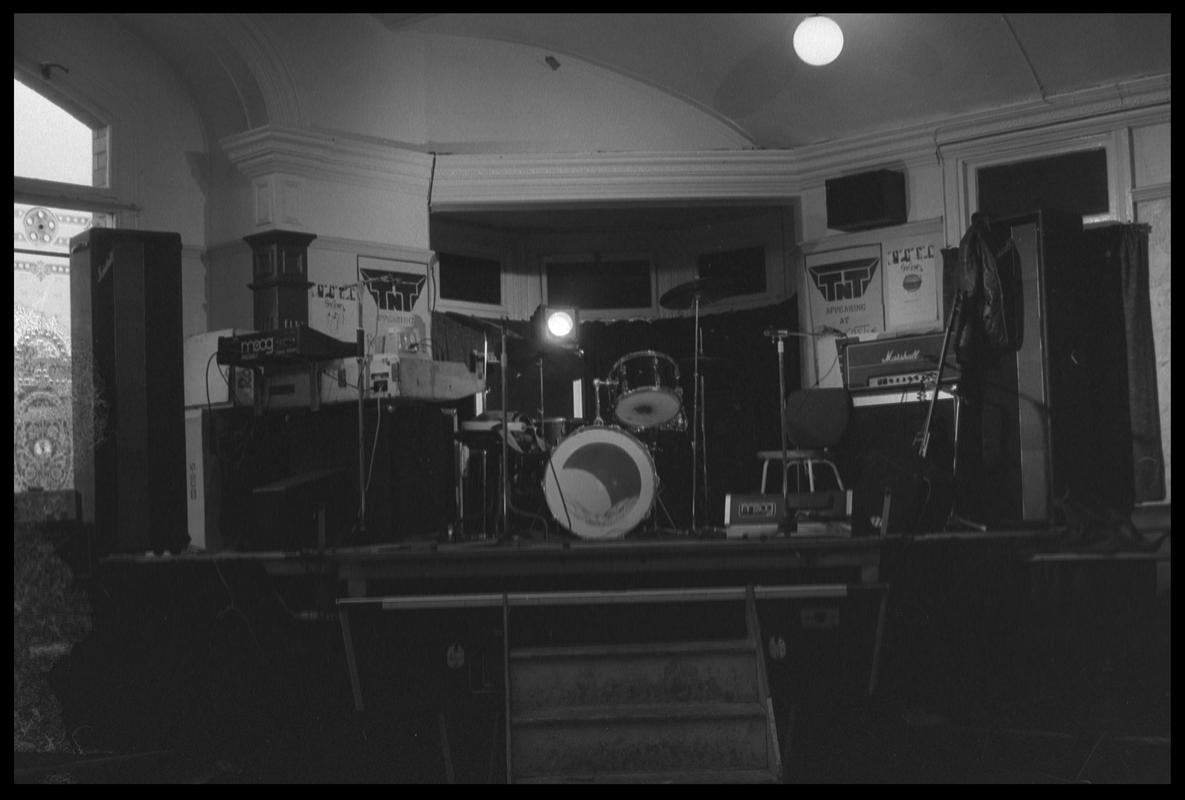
{"x":597,"y":384}
{"x":504,"y":473}
{"x":697,"y":422}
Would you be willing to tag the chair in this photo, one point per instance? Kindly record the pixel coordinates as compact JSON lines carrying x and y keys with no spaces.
{"x":816,"y":421}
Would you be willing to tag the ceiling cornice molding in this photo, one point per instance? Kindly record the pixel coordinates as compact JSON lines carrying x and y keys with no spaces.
{"x":329,"y":156}
{"x":482,"y":181}
{"x":1079,"y":113}
{"x":1082,"y":113}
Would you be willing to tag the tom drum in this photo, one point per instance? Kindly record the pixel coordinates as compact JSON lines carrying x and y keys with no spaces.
{"x":648,"y":393}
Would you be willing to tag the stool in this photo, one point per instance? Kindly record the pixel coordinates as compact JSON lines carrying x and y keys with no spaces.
{"x":800,"y":461}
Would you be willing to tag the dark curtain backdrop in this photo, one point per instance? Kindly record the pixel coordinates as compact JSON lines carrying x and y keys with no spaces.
{"x":1125,"y":247}
{"x":740,"y":379}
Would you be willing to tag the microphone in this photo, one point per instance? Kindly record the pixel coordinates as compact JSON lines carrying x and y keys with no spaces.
{"x":776,"y":333}
{"x":833,"y":331}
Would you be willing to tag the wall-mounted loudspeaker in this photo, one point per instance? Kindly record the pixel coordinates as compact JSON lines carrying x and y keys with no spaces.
{"x":868,"y":200}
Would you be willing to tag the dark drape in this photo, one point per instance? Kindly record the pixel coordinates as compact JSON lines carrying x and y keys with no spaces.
{"x":740,"y":384}
{"x":1131,"y":250}
{"x":1124,"y":252}
{"x":740,"y":381}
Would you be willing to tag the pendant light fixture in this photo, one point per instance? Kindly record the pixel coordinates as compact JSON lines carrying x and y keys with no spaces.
{"x":818,"y":40}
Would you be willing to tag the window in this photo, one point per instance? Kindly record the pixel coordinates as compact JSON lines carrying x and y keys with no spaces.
{"x":470,"y":279}
{"x":744,"y":267}
{"x":50,"y":146}
{"x":1074,"y":182}
{"x":596,"y":283}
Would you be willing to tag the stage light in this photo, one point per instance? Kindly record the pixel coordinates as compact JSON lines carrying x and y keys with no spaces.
{"x":557,"y":325}
{"x":818,"y":40}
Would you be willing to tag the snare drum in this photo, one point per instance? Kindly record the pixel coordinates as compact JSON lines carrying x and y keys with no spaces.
{"x":648,"y":392}
{"x":600,"y":482}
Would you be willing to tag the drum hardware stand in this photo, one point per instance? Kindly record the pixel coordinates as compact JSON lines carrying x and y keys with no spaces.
{"x":597,"y":384}
{"x":697,"y":422}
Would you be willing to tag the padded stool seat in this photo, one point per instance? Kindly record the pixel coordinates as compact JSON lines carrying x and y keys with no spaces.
{"x":801,"y":461}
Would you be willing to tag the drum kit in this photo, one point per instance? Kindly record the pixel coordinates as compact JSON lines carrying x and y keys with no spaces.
{"x":599,"y":479}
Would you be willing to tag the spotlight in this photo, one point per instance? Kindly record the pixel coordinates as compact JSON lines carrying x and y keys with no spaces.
{"x":558,"y":326}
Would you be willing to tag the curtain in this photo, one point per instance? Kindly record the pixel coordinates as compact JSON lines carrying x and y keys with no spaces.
{"x":740,"y":385}
{"x":1131,"y":251}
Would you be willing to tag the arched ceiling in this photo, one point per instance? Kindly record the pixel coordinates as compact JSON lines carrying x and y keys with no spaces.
{"x":895,"y":69}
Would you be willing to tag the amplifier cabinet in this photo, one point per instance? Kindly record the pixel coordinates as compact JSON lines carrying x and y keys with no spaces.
{"x":895,"y":362}
{"x":880,"y":453}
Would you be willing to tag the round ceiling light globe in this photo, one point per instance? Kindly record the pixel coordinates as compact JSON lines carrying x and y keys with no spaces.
{"x":818,"y":40}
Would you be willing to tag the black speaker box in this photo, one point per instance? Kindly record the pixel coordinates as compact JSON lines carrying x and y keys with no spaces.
{"x":129,"y":401}
{"x":868,"y":200}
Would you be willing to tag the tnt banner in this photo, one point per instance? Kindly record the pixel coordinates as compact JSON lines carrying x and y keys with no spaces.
{"x":845,"y":289}
{"x":911,"y":282}
{"x":395,"y":315}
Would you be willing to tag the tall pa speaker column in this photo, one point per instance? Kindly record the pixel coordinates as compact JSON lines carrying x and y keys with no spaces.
{"x":1045,"y":411}
{"x":129,"y":403}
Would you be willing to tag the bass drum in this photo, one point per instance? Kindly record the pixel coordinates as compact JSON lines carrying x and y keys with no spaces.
{"x":600,"y":482}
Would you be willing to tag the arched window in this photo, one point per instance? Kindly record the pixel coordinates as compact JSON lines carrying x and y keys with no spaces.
{"x":55,"y":155}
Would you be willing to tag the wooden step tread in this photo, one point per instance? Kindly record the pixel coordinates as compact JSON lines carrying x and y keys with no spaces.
{"x":698,"y":776}
{"x":706,"y":647}
{"x":657,"y":712}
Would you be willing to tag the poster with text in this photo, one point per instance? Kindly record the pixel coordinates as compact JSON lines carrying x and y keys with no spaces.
{"x":845,"y":290}
{"x":395,"y":315}
{"x":912,"y":277}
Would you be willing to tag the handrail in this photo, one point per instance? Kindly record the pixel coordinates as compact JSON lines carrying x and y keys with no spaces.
{"x":601,"y":597}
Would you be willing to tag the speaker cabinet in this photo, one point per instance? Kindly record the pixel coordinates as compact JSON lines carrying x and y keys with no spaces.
{"x":129,"y":408}
{"x":880,"y":454}
{"x":868,"y":200}
{"x":1045,"y":413}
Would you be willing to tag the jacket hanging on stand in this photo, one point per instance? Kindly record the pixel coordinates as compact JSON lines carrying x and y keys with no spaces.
{"x":988,"y":282}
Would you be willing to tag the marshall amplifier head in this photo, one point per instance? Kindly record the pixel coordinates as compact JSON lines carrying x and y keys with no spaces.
{"x":895,"y":362}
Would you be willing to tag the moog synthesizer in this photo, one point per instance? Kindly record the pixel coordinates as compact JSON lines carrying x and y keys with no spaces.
{"x":295,"y":345}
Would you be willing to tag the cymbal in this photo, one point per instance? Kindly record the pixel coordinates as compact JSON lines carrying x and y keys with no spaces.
{"x":708,"y":290}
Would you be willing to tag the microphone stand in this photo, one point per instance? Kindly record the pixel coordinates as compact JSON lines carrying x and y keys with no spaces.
{"x":780,"y":337}
{"x":504,"y":503}
{"x":695,"y":423}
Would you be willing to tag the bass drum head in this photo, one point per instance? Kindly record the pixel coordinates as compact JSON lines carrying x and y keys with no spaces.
{"x":600,"y":482}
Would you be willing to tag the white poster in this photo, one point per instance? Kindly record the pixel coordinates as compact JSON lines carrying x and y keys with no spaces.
{"x":395,"y":315}
{"x":845,"y":290}
{"x":912,"y":275}
{"x":391,"y":295}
